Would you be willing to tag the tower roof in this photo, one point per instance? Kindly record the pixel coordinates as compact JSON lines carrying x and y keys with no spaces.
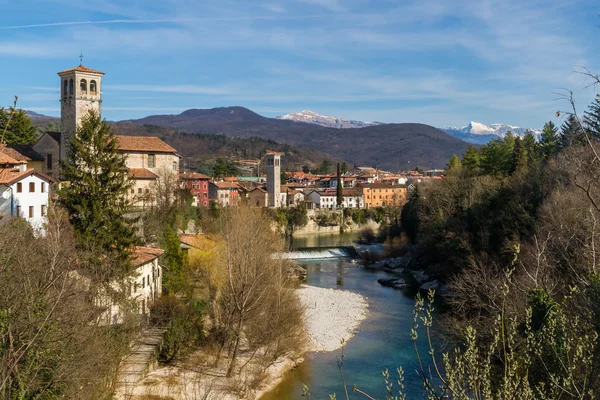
{"x":81,"y":68}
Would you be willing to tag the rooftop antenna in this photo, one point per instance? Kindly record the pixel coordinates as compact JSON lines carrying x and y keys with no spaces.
{"x":81,"y":59}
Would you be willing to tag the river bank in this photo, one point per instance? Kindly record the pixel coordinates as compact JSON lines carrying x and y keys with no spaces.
{"x":330,"y":316}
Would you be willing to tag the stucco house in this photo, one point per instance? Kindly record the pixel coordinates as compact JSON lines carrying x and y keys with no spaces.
{"x":224,"y":193}
{"x":383,"y":194}
{"x":24,"y":192}
{"x":197,"y":184}
{"x":328,"y":199}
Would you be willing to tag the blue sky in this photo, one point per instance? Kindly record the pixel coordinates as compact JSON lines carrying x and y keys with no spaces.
{"x":438,"y":62}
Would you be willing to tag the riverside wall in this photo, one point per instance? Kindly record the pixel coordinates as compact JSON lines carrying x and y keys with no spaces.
{"x":312,"y":227}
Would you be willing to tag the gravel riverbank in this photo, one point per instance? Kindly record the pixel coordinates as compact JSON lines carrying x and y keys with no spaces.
{"x":331,"y":315}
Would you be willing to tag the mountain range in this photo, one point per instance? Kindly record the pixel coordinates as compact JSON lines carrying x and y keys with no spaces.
{"x":387,"y":146}
{"x":474,"y":132}
{"x":312,"y":117}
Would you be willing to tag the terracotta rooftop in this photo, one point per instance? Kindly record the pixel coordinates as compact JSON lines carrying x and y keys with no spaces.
{"x":274,"y":153}
{"x":226,"y":185}
{"x":143,"y":255}
{"x":8,"y":176}
{"x":381,"y":186}
{"x":194,"y":175}
{"x":21,"y":152}
{"x":81,"y":68}
{"x":6,"y":159}
{"x":141,"y":173}
{"x":191,"y":240}
{"x":143,"y":143}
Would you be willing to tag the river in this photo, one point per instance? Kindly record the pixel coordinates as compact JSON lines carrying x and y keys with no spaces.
{"x":382,"y":340}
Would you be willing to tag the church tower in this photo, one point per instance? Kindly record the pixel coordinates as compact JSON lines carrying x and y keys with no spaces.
{"x":274,"y":178}
{"x":80,"y":93}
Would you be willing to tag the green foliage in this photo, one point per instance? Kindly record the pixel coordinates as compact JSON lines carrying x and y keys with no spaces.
{"x":344,"y":168}
{"x":520,"y":158}
{"x":173,"y":261}
{"x":95,"y":195}
{"x":324,"y":167}
{"x":471,"y":158}
{"x":410,"y":219}
{"x":532,"y":147}
{"x":305,"y":169}
{"x":497,"y":156}
{"x":549,"y":141}
{"x":290,"y":219}
{"x":454,"y":162}
{"x":184,"y":322}
{"x":20,"y":129}
{"x":570,"y":133}
{"x":222,"y":168}
{"x":591,"y":119}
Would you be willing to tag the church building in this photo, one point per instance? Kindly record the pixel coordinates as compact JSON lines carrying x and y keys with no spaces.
{"x":148,"y":158}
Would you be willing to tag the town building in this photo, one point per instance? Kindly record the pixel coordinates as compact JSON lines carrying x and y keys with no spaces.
{"x":24,"y":153}
{"x":24,"y":192}
{"x":382,"y":194}
{"x":197,"y":184}
{"x":328,"y":199}
{"x":258,"y":197}
{"x":224,"y":193}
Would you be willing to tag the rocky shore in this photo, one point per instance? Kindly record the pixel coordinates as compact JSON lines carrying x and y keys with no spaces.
{"x":331,"y":316}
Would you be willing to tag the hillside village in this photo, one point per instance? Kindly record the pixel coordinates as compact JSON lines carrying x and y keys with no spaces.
{"x":29,"y":173}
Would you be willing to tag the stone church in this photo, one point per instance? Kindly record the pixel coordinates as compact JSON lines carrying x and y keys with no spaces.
{"x":148,"y":158}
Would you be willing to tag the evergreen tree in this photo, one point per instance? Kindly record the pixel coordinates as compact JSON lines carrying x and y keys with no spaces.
{"x":570,"y":133}
{"x":305,"y":169}
{"x":410,"y":217}
{"x":532,"y":147}
{"x":340,"y":187}
{"x":591,"y":119}
{"x":95,"y":196}
{"x":20,"y":129}
{"x":344,"y":168}
{"x":549,"y":140}
{"x":519,"y":161}
{"x":496,"y":156}
{"x":173,"y":259}
{"x":324,"y":168}
{"x":453,"y":163}
{"x":471,"y":158}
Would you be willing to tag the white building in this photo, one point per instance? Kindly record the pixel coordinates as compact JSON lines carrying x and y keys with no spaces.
{"x":328,"y":199}
{"x":144,"y":287}
{"x":24,"y":192}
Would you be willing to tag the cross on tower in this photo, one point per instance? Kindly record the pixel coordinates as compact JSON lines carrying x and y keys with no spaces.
{"x":81,"y":59}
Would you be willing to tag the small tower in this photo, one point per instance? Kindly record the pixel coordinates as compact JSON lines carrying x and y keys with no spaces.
{"x":80,"y":93}
{"x":274,"y":178}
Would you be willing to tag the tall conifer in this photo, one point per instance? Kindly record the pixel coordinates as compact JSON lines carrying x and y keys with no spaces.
{"x":20,"y":130}
{"x":549,"y":140}
{"x":591,"y":119}
{"x":95,"y":196}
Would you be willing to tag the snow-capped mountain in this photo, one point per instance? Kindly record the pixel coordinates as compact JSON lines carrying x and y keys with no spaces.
{"x":311,"y":117}
{"x":479,"y":133}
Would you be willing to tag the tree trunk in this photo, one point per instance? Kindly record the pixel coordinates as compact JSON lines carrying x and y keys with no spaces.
{"x":235,"y":347}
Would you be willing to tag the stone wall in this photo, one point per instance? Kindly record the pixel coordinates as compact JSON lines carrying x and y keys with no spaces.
{"x":312,"y":227}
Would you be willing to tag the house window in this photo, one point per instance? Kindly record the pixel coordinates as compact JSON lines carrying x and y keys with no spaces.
{"x":147,"y":191}
{"x":30,"y":211}
{"x":18,"y":211}
{"x":31,"y":187}
{"x":93,"y":88}
{"x":204,"y":185}
{"x":174,"y":165}
{"x":83,"y":86}
{"x":43,"y":210}
{"x":43,"y":187}
{"x":139,"y":190}
{"x":132,"y":190}
{"x":49,"y":160}
{"x":151,"y":160}
{"x":19,"y":187}
{"x":205,"y":195}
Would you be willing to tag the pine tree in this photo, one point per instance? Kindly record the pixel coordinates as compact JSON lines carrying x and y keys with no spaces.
{"x":95,"y":196}
{"x":570,"y":133}
{"x":549,"y":140}
{"x":340,"y":187}
{"x":519,"y":161}
{"x":471,"y":158}
{"x":173,"y":281}
{"x":20,"y":129}
{"x":453,"y":163}
{"x":591,"y":119}
{"x":532,"y":147}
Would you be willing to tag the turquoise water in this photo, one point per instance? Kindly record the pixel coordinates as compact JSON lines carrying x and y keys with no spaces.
{"x":382,"y":340}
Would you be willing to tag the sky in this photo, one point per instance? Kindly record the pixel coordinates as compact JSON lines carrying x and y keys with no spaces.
{"x":438,"y":62}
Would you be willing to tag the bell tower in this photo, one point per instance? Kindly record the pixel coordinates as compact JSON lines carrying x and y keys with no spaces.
{"x":274,"y":178}
{"x":80,"y":93}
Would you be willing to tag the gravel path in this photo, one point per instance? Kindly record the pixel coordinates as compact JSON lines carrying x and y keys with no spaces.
{"x":331,"y":315}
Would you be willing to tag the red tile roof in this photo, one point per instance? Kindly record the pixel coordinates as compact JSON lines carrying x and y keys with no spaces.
{"x":143,"y":143}
{"x":141,"y":173}
{"x":6,"y":159}
{"x":8,"y":176}
{"x":21,"y":152}
{"x":81,"y":68}
{"x":194,"y":175}
{"x":226,"y":185}
{"x":143,"y":255}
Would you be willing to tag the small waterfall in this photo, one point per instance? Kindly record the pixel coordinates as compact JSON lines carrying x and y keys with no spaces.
{"x":318,"y":253}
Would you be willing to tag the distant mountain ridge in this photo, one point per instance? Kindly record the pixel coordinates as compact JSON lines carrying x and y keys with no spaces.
{"x":311,"y":117}
{"x":386,"y":146}
{"x":478,"y":133}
